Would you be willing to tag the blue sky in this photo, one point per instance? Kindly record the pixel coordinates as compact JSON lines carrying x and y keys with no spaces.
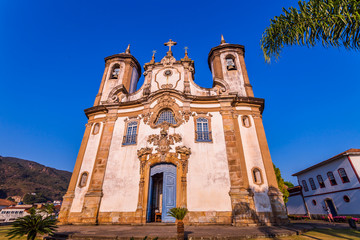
{"x":52,"y":60}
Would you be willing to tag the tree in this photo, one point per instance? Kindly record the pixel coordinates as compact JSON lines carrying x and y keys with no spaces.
{"x":281,"y":184}
{"x":332,"y":22}
{"x":289,"y":184}
{"x":32,"y":225}
{"x":179,"y":214}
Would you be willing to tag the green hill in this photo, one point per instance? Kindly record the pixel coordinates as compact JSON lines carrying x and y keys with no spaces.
{"x":20,"y":177}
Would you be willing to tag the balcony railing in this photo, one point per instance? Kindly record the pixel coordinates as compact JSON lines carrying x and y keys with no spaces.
{"x":202,"y":136}
{"x":129,"y":139}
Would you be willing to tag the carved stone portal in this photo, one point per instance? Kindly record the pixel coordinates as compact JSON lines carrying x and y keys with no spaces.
{"x":147,"y":159}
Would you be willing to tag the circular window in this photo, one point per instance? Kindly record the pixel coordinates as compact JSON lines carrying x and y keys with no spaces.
{"x":167,"y":73}
{"x":314,"y":202}
{"x":346,"y":198}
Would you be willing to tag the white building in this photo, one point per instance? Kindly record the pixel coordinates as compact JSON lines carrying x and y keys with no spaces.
{"x":333,"y":183}
{"x":172,"y":143}
{"x":10,"y":214}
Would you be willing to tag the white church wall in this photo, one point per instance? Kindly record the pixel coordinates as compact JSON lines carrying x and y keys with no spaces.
{"x":134,"y":80}
{"x":234,"y":78}
{"x":176,"y":79}
{"x":208,"y":175}
{"x":121,"y":182}
{"x":253,"y":159}
{"x":295,"y":205}
{"x":86,"y":166}
{"x":111,"y":83}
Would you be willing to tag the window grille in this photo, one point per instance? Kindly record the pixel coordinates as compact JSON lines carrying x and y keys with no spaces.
{"x":130,"y":137}
{"x":305,"y":186}
{"x":331,"y":178}
{"x":166,"y":116}
{"x":320,"y":181}
{"x":312,"y":183}
{"x":202,"y":130}
{"x":343,"y":175}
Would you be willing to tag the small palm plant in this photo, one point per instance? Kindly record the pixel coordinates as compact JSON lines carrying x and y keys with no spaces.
{"x":32,"y":225}
{"x":179,"y":214}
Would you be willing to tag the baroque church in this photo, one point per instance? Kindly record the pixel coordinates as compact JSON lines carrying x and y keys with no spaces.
{"x":172,"y":143}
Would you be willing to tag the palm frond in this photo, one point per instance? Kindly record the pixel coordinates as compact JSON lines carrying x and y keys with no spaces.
{"x":333,"y":23}
{"x":178,"y":213}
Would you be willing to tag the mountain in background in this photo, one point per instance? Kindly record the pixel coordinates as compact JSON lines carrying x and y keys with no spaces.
{"x":19,"y":177}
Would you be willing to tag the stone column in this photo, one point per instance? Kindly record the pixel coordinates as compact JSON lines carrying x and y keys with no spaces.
{"x":275,"y":196}
{"x":94,"y":194}
{"x":69,"y":196}
{"x":241,"y":199}
{"x":184,"y":153}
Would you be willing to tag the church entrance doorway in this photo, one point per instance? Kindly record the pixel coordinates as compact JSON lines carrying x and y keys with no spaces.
{"x":162,"y":193}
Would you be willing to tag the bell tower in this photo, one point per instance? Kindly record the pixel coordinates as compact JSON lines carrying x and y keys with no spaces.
{"x":227,"y":63}
{"x":122,"y":71}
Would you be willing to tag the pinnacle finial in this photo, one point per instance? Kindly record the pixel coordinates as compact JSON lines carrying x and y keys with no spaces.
{"x":153,"y":56}
{"x":127,"y":51}
{"x":186,"y":53}
{"x":222,"y":39}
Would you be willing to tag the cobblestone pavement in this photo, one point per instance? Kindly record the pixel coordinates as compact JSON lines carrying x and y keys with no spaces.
{"x":163,"y":231}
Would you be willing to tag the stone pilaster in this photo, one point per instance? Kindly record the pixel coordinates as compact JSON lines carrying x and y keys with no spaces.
{"x":275,"y":196}
{"x":243,"y":208}
{"x":98,"y":96}
{"x":94,"y":194}
{"x":69,"y":196}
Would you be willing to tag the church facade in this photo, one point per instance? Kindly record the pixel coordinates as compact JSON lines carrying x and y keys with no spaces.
{"x":172,"y":143}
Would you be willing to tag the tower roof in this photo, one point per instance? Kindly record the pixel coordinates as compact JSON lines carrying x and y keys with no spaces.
{"x":222,"y":46}
{"x":125,"y":56}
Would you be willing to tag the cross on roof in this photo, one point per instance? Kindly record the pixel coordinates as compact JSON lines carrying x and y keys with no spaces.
{"x":170,"y":43}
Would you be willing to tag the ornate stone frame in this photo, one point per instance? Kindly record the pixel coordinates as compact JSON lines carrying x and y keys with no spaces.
{"x":242,"y":121}
{"x":93,"y":128}
{"x":167,"y":85}
{"x":166,"y":102}
{"x":208,"y":117}
{"x":127,"y":121}
{"x":261,"y":176}
{"x":149,"y":159}
{"x":87,"y":177}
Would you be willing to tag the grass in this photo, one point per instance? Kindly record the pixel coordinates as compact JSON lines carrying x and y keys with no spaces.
{"x":4,"y":230}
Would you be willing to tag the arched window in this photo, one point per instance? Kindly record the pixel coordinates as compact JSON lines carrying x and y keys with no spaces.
{"x":115,"y":71}
{"x":305,"y":186}
{"x":312,"y":183}
{"x":202,"y":130}
{"x":331,"y":178}
{"x":246,"y":121}
{"x":343,"y":175}
{"x":131,"y":133}
{"x":166,"y":116}
{"x":83,"y":179}
{"x":230,"y":62}
{"x":257,"y":176}
{"x":320,"y":181}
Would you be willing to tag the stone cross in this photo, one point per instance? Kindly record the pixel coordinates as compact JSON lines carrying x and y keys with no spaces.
{"x":170,"y":43}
